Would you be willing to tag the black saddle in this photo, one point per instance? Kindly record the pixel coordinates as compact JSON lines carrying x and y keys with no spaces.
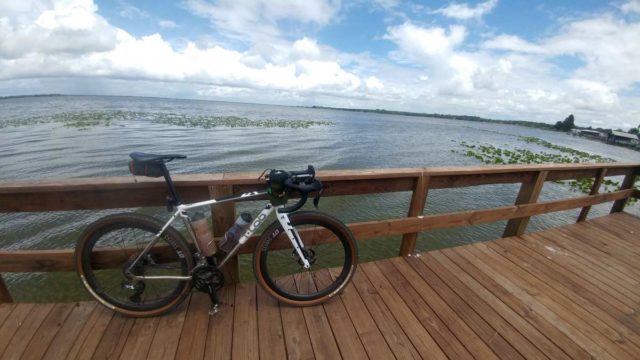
{"x":154,"y":158}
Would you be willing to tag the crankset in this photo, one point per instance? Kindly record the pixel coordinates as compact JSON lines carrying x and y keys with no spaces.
{"x":208,"y":279}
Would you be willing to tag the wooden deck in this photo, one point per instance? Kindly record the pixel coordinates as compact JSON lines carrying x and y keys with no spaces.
{"x":570,"y":292}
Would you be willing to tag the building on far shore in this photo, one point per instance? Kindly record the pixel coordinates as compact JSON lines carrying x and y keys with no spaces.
{"x":623,"y":138}
{"x":592,"y":134}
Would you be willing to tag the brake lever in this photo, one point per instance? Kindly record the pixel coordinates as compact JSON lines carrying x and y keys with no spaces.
{"x":316,"y":199}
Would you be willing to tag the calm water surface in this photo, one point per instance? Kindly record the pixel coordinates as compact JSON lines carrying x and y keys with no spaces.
{"x":354,"y":141}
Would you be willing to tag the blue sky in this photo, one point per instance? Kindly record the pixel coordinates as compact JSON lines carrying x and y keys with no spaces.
{"x":526,"y":60}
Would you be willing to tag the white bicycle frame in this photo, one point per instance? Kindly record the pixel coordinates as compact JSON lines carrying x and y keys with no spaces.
{"x":282,"y":217}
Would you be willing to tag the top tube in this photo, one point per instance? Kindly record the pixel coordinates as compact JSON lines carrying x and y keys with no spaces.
{"x":248,"y":195}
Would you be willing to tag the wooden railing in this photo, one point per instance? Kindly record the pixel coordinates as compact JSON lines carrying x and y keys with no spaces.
{"x":127,"y":192}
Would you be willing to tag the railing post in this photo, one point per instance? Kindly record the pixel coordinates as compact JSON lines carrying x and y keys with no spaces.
{"x":594,"y":190}
{"x":416,"y":207}
{"x":223,"y":216}
{"x":5,"y":295}
{"x":627,"y":183}
{"x":529,"y":193}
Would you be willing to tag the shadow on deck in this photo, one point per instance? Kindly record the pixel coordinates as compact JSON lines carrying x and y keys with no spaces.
{"x":569,"y":292}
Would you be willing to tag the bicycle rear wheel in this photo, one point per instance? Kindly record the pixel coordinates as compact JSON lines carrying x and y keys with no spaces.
{"x":109,"y":247}
{"x":328,"y":243}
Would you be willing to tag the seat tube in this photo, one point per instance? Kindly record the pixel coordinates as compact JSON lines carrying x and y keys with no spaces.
{"x":170,"y":184}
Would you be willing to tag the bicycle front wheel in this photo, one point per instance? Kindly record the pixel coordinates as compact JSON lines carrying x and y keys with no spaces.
{"x":110,"y":266}
{"x":328,"y":243}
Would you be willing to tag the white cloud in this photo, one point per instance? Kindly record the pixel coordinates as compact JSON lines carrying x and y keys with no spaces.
{"x":167,"y":24}
{"x":513,"y":43}
{"x":436,"y":49}
{"x":257,"y":20}
{"x":373,"y":83}
{"x":632,"y":6}
{"x":608,"y":47}
{"x":68,"y":27}
{"x":418,"y":42}
{"x":73,"y":40}
{"x":305,"y":48}
{"x":464,"y":11}
{"x":131,"y":12}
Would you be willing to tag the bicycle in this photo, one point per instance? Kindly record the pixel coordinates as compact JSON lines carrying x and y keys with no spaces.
{"x":158,"y":267}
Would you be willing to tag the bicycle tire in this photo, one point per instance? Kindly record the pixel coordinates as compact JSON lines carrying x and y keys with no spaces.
{"x":113,"y":239}
{"x":332,"y":245}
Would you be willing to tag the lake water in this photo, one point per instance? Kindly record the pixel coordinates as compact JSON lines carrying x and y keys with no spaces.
{"x":353,"y":140}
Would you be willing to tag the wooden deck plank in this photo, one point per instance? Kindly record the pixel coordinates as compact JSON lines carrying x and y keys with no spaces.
{"x":558,"y":259}
{"x":578,"y":310}
{"x":577,"y":260}
{"x":488,"y":334}
{"x":445,"y":339}
{"x":571,"y":241}
{"x":47,"y":330}
{"x":511,"y":334}
{"x":167,"y":336}
{"x":526,"y":329}
{"x":322,"y":339}
{"x":603,"y":242}
{"x":90,"y":335}
{"x":13,"y":323}
{"x":140,"y":338}
{"x":245,"y":323}
{"x":70,"y":331}
{"x":344,"y":332}
{"x":417,"y":334}
{"x":573,"y":246}
{"x":496,"y":289}
{"x":613,"y":235}
{"x":296,"y":336}
{"x":220,"y":334}
{"x":5,"y":311}
{"x":27,"y":328}
{"x":462,"y":331}
{"x":390,"y":329}
{"x":114,"y":338}
{"x":579,"y":301}
{"x":270,"y":333}
{"x":623,"y":225}
{"x":374,"y":343}
{"x":194,"y":329}
{"x":576,"y":288}
{"x":550,"y":298}
{"x":594,"y":349}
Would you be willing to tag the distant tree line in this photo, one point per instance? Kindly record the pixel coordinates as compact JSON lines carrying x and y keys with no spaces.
{"x":531,"y":124}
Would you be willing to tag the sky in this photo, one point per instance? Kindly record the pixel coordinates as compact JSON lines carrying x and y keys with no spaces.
{"x":516,"y":59}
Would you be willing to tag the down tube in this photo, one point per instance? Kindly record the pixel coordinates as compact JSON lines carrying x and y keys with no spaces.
{"x":264,"y":214}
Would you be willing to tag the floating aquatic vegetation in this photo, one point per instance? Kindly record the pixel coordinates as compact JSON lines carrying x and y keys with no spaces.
{"x":79,"y":119}
{"x":84,"y":120}
{"x":490,"y":154}
{"x":207,"y":122}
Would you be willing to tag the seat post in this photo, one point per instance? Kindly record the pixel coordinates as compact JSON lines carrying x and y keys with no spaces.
{"x":170,"y":184}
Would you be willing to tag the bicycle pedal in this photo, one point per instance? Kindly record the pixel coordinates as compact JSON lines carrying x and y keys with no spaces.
{"x":214,"y":309}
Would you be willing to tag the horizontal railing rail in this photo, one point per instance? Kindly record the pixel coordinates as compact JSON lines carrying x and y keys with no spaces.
{"x":128,"y":192}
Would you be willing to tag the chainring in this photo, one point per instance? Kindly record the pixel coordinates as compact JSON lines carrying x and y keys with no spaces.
{"x":206,"y":276}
